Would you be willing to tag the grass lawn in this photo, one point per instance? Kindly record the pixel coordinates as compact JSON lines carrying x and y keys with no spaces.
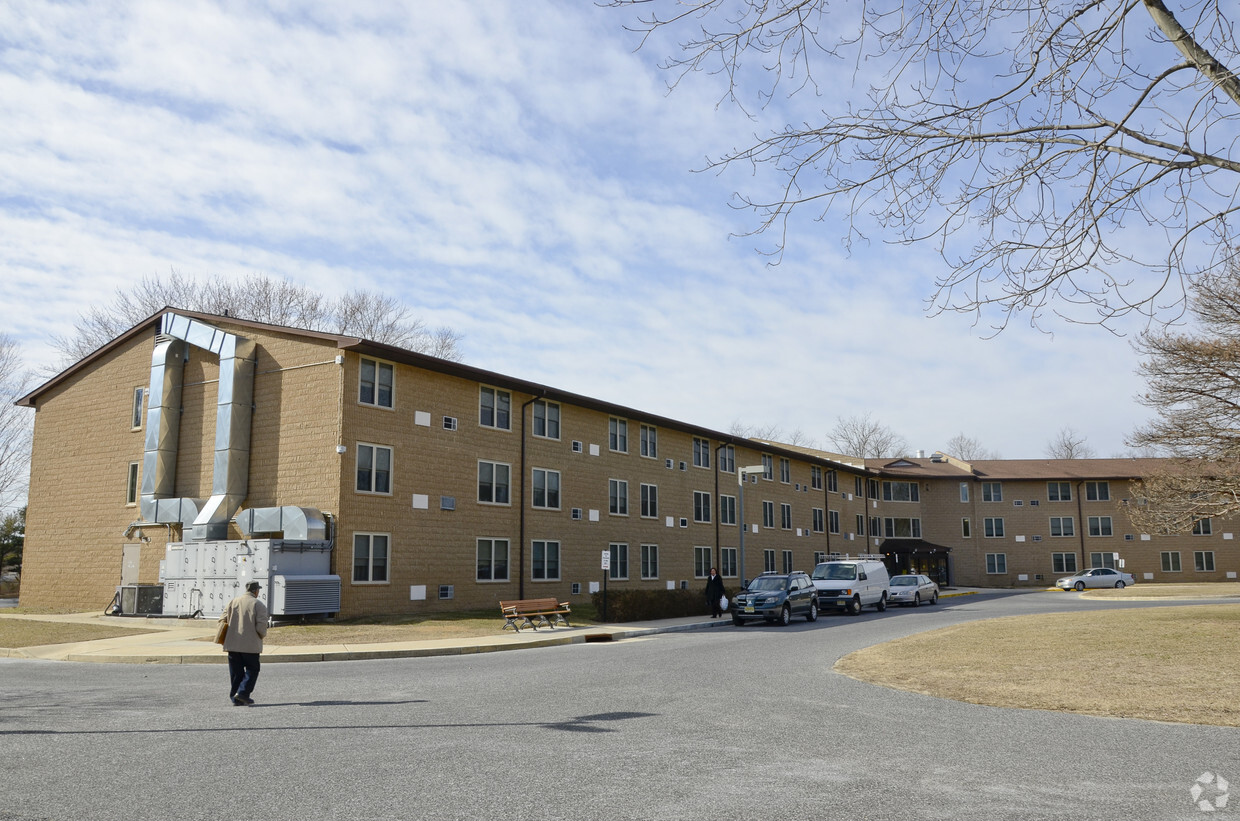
{"x":16,"y":633}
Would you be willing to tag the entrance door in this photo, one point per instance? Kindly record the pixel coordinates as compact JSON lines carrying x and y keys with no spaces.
{"x":131,"y":560}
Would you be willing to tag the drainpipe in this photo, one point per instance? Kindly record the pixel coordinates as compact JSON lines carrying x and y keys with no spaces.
{"x":826,"y":507}
{"x":521,"y":502}
{"x":718,"y":512}
{"x":1080,"y":517}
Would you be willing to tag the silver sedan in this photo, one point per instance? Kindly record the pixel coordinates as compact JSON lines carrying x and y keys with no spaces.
{"x":912,"y":590}
{"x":1096,"y":577}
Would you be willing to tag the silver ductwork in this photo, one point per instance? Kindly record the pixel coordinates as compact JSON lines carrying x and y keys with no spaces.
{"x":299,"y":523}
{"x":163,"y":428}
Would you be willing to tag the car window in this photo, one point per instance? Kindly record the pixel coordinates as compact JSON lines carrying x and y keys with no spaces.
{"x":836,"y":572}
{"x":903,"y":581}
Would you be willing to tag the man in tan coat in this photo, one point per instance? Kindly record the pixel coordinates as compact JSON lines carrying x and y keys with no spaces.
{"x":247,"y":625}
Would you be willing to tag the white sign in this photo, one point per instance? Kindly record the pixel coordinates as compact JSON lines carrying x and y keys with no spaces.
{"x":606,"y":560}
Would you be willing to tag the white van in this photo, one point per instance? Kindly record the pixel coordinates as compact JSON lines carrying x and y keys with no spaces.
{"x":850,"y":584}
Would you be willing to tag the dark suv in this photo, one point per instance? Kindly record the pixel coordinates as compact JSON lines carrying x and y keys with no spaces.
{"x":777,"y":597}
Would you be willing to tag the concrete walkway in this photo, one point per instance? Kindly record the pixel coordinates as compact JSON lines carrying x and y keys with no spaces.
{"x":188,"y":641}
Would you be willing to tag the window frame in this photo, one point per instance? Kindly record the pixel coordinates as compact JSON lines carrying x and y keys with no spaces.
{"x":648,"y":441}
{"x":493,"y":542}
{"x":702,"y":507}
{"x":890,"y":531}
{"x":996,"y":564}
{"x":1201,"y":558}
{"x":618,"y":497}
{"x":727,"y":460}
{"x":374,"y":472}
{"x":992,"y":491}
{"x":617,"y":434}
{"x":1171,"y":557}
{"x":1060,"y":563}
{"x":507,"y":485}
{"x":132,"y":486}
{"x":139,"y":403}
{"x":650,"y":561}
{"x":619,"y":570}
{"x":547,"y":473}
{"x":1098,"y":491}
{"x":993,"y":528}
{"x":768,"y":514}
{"x":912,"y":489}
{"x":386,"y":563}
{"x":785,"y":471}
{"x":701,"y":453}
{"x":702,"y":561}
{"x":649,"y":494}
{"x":546,"y":560}
{"x":1057,"y":495}
{"x":550,"y":418}
{"x":1069,"y":532}
{"x":785,"y":516}
{"x":727,"y":510}
{"x":376,"y":383}
{"x":1096,"y":527}
{"x":496,"y":411}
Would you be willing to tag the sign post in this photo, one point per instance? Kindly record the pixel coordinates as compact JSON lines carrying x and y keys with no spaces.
{"x":606,"y":573}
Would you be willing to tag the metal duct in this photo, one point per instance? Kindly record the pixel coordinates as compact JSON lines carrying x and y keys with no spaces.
{"x":296,"y":523}
{"x":163,"y":428}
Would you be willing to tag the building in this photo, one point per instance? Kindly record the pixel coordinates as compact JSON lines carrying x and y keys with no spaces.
{"x":446,"y":487}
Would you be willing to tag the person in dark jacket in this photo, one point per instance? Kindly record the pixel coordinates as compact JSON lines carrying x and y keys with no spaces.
{"x":714,"y":592}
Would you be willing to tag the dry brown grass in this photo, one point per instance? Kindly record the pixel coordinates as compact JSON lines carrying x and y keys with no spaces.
{"x":1177,"y":664}
{"x":299,"y":635}
{"x":1207,"y":590}
{"x":16,"y":633}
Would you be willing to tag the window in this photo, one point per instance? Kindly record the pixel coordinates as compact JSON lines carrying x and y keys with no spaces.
{"x":701,"y":452}
{"x":966,"y":529}
{"x":375,"y":384}
{"x":873,"y":487}
{"x":546,"y":419}
{"x":546,"y":489}
{"x":727,"y":562}
{"x":833,"y":521}
{"x":900,"y":492}
{"x":493,"y":482}
{"x":768,"y":514}
{"x":860,"y":525}
{"x":131,"y":485}
{"x":819,"y":520}
{"x":546,"y":556}
{"x":768,"y":561}
{"x":727,"y":461}
{"x":135,"y":420}
{"x":618,"y":435}
{"x":1100,"y":526}
{"x":768,"y":466}
{"x":897,"y":528}
{"x":996,"y":563}
{"x":370,"y":557}
{"x":1171,"y":561}
{"x":815,"y":477}
{"x":701,"y":562}
{"x":1063,"y":526}
{"x":701,"y":506}
{"x":619,"y":561}
{"x":650,"y":561}
{"x":374,"y":469}
{"x":618,"y":496}
{"x":492,"y":560}
{"x":1063,"y":562}
{"x":495,"y":409}
{"x":964,"y":491}
{"x":650,"y":501}
{"x":1203,"y":560}
{"x":1202,"y":527}
{"x":727,"y":510}
{"x":1102,"y":560}
{"x":992,"y":491}
{"x":649,"y":442}
{"x":833,"y":481}
{"x":1098,"y":491}
{"x":787,"y":557}
{"x":992,"y":527}
{"x":1059,"y":491}
{"x":785,"y":471}
{"x":785,"y":516}
{"x":857,"y":485}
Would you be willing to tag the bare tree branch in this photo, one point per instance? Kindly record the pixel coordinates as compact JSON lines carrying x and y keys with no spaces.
{"x":864,"y":437}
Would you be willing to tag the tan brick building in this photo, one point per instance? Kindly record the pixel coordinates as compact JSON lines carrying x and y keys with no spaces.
{"x":447,"y":487}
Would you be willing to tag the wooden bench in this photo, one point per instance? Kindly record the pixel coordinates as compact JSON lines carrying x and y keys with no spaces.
{"x":522,"y":612}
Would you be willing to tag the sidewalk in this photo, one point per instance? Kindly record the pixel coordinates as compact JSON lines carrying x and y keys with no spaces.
{"x":188,"y":641}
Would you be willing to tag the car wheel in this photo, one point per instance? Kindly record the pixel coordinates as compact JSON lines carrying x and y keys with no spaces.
{"x":917,"y":600}
{"x":934,"y":598}
{"x":785,"y":616}
{"x":813,"y":612}
{"x":737,"y":620}
{"x":1079,"y":586}
{"x":1119,"y":585}
{"x":854,"y":606}
{"x":882,"y":603}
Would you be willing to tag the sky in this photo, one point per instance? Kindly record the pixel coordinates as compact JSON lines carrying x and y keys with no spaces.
{"x":518,"y":172}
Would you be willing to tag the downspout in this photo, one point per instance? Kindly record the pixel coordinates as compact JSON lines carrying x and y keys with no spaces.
{"x":1080,"y":517}
{"x":521,"y":503}
{"x":719,"y":512}
{"x":826,"y":504}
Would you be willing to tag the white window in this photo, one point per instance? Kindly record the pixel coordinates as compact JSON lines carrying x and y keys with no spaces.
{"x":650,"y":561}
{"x":1098,"y":491}
{"x":492,"y":560}
{"x":816,"y":516}
{"x":1059,"y":491}
{"x":785,"y":471}
{"x":495,"y":409}
{"x":833,"y":481}
{"x":901,"y":492}
{"x":785,"y":516}
{"x":650,"y":442}
{"x":860,"y":525}
{"x":1100,"y":526}
{"x":815,"y":477}
{"x":727,"y":510}
{"x":375,"y":381}
{"x":618,"y":497}
{"x":374,"y":469}
{"x":131,"y":485}
{"x":619,"y":561}
{"x":727,"y":562}
{"x":787,"y":557}
{"x":992,"y":491}
{"x":546,"y":489}
{"x":1203,"y":527}
{"x":1171,"y":561}
{"x":493,"y":482}
{"x":1063,"y":526}
{"x":996,"y":563}
{"x":701,"y":562}
{"x":546,"y":558}
{"x":833,"y":521}
{"x":618,"y":435}
{"x":701,"y":452}
{"x":964,"y":491}
{"x":1102,"y":560}
{"x":898,"y":528}
{"x":727,"y":459}
{"x":966,"y":528}
{"x":1203,"y":560}
{"x":768,"y":466}
{"x":768,"y":514}
{"x":768,"y":561}
{"x":701,"y":506}
{"x":992,"y":527}
{"x":135,"y":421}
{"x":650,"y":501}
{"x":370,"y":557}
{"x":546,"y":419}
{"x":1063,"y":562}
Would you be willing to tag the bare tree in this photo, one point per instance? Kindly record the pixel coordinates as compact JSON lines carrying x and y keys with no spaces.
{"x":1068,"y":444}
{"x":15,"y":425}
{"x":969,"y":449}
{"x":376,"y":317}
{"x":864,"y":437}
{"x":1194,"y":385}
{"x":772,"y":433}
{"x":1043,"y":128}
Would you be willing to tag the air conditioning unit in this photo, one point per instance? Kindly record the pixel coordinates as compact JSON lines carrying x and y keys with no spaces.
{"x":141,"y":599}
{"x":446,"y":591}
{"x":449,"y":423}
{"x":447,"y":503}
{"x":304,"y":595}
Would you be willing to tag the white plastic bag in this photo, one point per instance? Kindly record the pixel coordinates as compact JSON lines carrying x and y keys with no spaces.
{"x":723,"y":602}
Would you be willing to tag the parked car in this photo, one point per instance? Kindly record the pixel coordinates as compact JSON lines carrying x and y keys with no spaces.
{"x":850,"y":584}
{"x":1096,"y":577}
{"x":912,"y":590}
{"x":776,"y":597}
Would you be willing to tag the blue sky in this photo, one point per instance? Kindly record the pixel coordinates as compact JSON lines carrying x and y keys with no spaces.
{"x":515,"y":171}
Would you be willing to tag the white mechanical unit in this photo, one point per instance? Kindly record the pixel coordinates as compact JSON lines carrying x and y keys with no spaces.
{"x":202,"y":577}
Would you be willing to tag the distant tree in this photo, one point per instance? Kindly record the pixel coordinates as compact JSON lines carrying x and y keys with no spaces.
{"x":1193,"y":382}
{"x":969,"y":449}
{"x":1022,"y":139}
{"x":772,"y":433}
{"x":12,"y":539}
{"x":1068,"y":444}
{"x":376,"y":317}
{"x":15,"y":425}
{"x":864,"y":437}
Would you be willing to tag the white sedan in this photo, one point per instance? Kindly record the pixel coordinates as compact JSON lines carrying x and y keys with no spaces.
{"x":1096,"y":577}
{"x":913,"y":590}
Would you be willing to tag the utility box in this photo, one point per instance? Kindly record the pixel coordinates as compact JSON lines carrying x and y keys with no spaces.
{"x":141,"y":599}
{"x":200,"y":578}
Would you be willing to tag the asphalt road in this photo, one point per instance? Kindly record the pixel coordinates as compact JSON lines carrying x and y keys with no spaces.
{"x":718,"y":724}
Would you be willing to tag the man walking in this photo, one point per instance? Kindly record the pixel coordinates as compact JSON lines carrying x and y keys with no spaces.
{"x":247,"y":625}
{"x":714,"y":592}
